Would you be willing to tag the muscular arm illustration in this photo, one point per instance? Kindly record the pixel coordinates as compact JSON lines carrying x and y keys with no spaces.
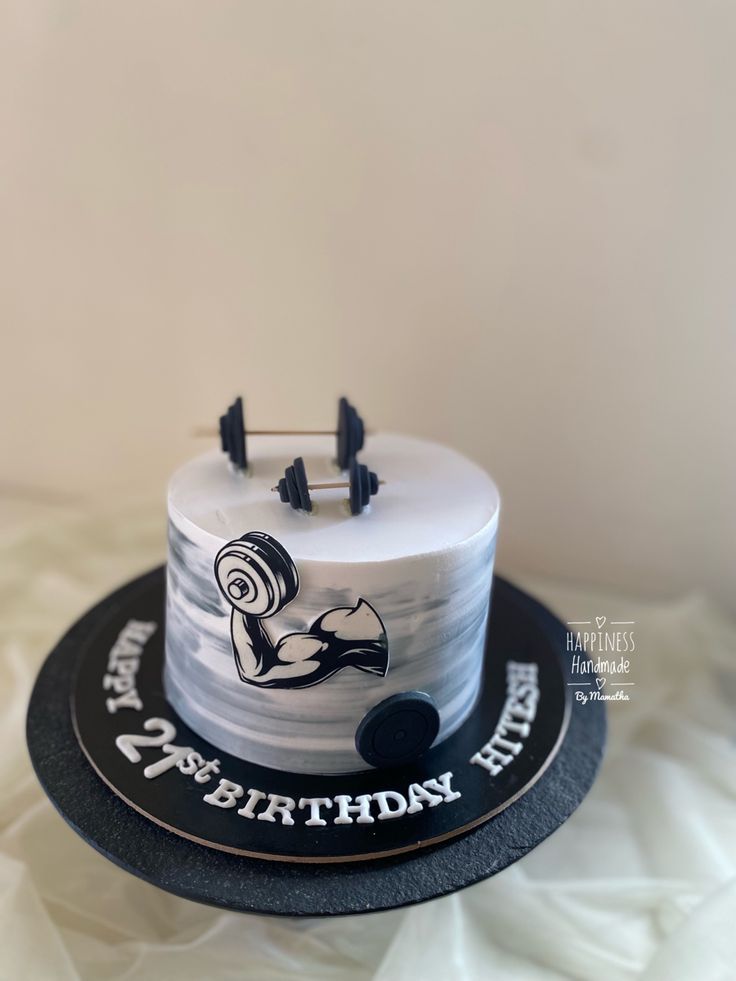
{"x":258,"y":578}
{"x":340,"y":638}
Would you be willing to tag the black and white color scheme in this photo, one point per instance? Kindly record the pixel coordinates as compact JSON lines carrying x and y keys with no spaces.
{"x":423,"y":560}
{"x":294,"y":487}
{"x":350,"y":434}
{"x":257,"y":576}
{"x":139,"y":745}
{"x":284,"y":755}
{"x":122,"y":636}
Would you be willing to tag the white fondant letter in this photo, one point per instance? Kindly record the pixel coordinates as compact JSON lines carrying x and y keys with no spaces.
{"x":191,"y":764}
{"x":386,"y":813}
{"x":278,"y":804}
{"x":417,"y":794}
{"x":491,"y":759}
{"x":203,"y":775}
{"x":249,"y":809}
{"x":442,"y":786}
{"x":226,"y":794}
{"x":314,"y":804}
{"x":129,"y":700}
{"x":361,"y":807}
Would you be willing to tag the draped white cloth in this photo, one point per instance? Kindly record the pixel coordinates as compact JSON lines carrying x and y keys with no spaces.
{"x":640,"y":883}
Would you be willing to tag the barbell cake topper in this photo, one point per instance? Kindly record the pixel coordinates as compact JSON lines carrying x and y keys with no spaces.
{"x":349,"y":432}
{"x":294,"y":486}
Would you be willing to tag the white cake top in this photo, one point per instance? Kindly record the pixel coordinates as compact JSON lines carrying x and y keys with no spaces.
{"x":433,"y":498}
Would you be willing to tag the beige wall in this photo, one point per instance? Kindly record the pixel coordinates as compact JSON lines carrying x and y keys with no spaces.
{"x":507,"y":226}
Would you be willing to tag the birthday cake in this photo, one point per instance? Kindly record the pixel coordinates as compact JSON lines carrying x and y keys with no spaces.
{"x":327,"y":610}
{"x":330,"y":685}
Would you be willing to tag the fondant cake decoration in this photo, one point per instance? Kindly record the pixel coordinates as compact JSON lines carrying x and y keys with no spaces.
{"x":514,"y":724}
{"x":167,"y":771}
{"x":398,"y":729}
{"x":294,"y":487}
{"x":421,"y":558}
{"x":123,"y":664}
{"x":232,"y":434}
{"x":265,"y":760}
{"x":349,"y":433}
{"x":258,"y":578}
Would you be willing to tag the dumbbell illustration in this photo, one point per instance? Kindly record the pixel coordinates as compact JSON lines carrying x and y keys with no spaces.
{"x":294,"y":486}
{"x":258,"y":578}
{"x":256,"y":575}
{"x":349,"y":433}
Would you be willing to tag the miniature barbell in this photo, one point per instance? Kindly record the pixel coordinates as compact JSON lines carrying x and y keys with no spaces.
{"x":294,"y":487}
{"x":350,"y":433}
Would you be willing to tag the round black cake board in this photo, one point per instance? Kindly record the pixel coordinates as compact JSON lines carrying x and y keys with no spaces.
{"x":234,"y":881}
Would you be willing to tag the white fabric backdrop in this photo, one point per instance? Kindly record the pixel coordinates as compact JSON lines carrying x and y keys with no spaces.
{"x":641,"y":882}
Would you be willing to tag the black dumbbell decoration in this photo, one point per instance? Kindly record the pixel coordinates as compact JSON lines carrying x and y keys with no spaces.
{"x":350,"y":433}
{"x":294,"y":487}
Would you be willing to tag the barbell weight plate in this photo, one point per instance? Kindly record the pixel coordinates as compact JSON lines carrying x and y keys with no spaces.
{"x":363,"y":484}
{"x":238,"y":452}
{"x":292,"y":488}
{"x":350,"y":433}
{"x":355,"y":433}
{"x":398,"y":730}
{"x":354,"y":494}
{"x":224,"y":433}
{"x":358,"y":431}
{"x":302,"y":484}
{"x":343,"y":424}
{"x":232,"y":434}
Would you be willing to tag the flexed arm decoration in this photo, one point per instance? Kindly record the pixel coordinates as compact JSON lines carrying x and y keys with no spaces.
{"x":258,"y":578}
